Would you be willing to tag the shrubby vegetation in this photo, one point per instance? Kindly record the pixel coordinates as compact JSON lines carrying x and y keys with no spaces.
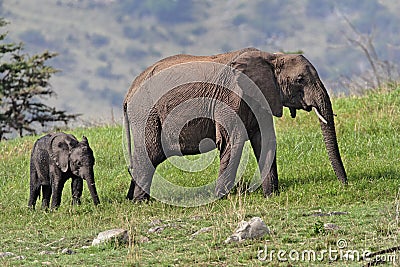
{"x":24,"y":86}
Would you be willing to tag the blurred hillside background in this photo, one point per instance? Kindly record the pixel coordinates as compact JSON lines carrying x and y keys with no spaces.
{"x":104,"y":44}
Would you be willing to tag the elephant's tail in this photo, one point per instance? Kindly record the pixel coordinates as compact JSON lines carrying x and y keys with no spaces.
{"x":128,"y":149}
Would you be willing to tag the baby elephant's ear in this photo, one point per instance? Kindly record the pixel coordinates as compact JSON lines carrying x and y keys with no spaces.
{"x":62,"y":157}
{"x":85,"y":140}
{"x":88,"y":149}
{"x":60,"y":154}
{"x":60,"y":147}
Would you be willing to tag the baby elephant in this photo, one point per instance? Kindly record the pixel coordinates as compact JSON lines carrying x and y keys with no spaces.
{"x":55,"y":158}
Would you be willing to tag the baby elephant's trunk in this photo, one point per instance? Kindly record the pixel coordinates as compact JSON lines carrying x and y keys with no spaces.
{"x":92,"y":189}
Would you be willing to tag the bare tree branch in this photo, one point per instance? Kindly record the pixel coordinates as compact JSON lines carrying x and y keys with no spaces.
{"x":382,"y":71}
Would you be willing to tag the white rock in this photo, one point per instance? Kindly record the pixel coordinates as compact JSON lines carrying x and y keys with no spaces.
{"x":46,"y":252}
{"x":121,"y":235}
{"x":331,"y":226}
{"x":144,"y":239}
{"x":254,"y":228}
{"x":156,"y":229}
{"x":67,"y":251}
{"x":6,"y":254}
{"x":203,"y":230}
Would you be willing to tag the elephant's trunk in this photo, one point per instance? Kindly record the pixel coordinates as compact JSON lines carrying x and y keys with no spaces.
{"x":92,"y":189}
{"x":324,"y":107}
{"x":329,"y":134}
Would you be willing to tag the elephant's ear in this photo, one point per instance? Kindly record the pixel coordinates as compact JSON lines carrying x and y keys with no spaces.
{"x":256,"y":65}
{"x":60,"y":148}
{"x":85,"y":142}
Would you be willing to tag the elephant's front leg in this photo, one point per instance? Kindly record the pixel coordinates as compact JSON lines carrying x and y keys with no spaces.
{"x":46,"y":191}
{"x":270,"y":183}
{"x":269,"y":176}
{"x":57,"y":187}
{"x":142,"y":177}
{"x":230,"y":148}
{"x":147,"y":155}
{"x":76,"y":190}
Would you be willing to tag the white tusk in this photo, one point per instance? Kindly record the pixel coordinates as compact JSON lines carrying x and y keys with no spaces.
{"x":320,"y":116}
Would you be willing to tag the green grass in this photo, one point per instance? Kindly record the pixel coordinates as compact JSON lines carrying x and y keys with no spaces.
{"x":368,"y":130}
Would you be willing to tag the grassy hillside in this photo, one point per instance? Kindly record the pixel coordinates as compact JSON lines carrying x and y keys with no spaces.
{"x":368,"y":130}
{"x":104,"y":44}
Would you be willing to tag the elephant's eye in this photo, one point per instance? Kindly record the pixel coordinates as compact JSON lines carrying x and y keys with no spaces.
{"x":78,"y":163}
{"x":300,"y":79}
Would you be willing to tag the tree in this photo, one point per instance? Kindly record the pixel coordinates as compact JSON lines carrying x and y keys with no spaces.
{"x":383,"y":72}
{"x":24,"y":84}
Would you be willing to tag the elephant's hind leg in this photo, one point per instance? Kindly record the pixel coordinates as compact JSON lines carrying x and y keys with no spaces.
{"x":142,"y":175}
{"x":131,"y":190}
{"x":148,"y":154}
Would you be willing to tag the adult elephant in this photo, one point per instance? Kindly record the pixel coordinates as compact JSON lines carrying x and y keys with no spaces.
{"x":284,"y":80}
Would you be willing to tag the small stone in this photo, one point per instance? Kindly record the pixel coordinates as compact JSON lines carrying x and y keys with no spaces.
{"x":331,"y":226}
{"x":156,"y":229}
{"x":46,"y":252}
{"x":68,"y":251}
{"x":6,"y":254}
{"x":119,"y":235}
{"x":255,"y":228}
{"x":144,"y":239}
{"x":46,"y":263}
{"x":319,"y":213}
{"x":203,"y":230}
{"x":155,"y":222}
{"x":338,"y":213}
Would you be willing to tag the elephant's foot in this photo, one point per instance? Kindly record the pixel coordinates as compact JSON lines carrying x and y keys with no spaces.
{"x":270,"y":189}
{"x":76,"y":201}
{"x":142,"y":199}
{"x":139,"y":195}
{"x":271,"y":193}
{"x":221,"y":192}
{"x":45,"y":204}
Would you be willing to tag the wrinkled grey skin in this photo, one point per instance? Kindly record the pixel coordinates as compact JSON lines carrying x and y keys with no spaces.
{"x":285,"y":80}
{"x":229,"y":139}
{"x":55,"y":158}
